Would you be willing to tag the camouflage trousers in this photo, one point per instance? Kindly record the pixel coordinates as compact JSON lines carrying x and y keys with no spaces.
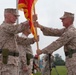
{"x":8,"y":69}
{"x":46,"y":73}
{"x":25,"y":73}
{"x":71,"y":65}
{"x":46,"y":69}
{"x":29,"y":69}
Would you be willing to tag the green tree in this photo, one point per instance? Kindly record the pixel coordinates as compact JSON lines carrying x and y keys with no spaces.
{"x":58,"y":60}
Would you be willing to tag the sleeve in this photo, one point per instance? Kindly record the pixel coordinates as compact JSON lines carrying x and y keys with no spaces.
{"x":14,"y":29}
{"x":52,"y":31}
{"x":65,"y":38}
{"x":25,"y":41}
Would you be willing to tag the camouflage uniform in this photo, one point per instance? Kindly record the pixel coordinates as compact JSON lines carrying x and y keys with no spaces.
{"x":8,"y":41}
{"x":23,"y":61}
{"x":67,"y":39}
{"x":47,"y":64}
{"x":36,"y":63}
{"x":46,"y":69}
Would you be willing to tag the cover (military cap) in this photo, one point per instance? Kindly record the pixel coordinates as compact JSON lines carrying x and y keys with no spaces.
{"x":11,"y":10}
{"x":67,"y":14}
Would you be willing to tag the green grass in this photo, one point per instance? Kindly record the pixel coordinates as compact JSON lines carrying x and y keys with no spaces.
{"x":37,"y":73}
{"x":60,"y":69}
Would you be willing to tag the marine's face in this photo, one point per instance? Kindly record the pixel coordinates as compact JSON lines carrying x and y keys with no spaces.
{"x":12,"y":18}
{"x":66,"y":22}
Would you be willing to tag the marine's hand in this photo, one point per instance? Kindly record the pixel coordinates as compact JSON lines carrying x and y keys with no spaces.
{"x":36,"y":39}
{"x":36,"y":24}
{"x":25,"y":68}
{"x":38,"y":51}
{"x":35,"y":17}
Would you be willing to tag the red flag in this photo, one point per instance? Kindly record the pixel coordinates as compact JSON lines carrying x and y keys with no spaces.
{"x":27,"y":7}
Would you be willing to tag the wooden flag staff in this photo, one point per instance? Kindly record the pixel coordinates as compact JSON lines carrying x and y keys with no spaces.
{"x":36,"y":27}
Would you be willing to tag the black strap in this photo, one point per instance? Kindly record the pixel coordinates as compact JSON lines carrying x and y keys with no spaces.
{"x":49,"y":62}
{"x":66,"y":53}
{"x":14,"y":54}
{"x":11,"y":53}
{"x":0,"y":51}
{"x":70,"y":52}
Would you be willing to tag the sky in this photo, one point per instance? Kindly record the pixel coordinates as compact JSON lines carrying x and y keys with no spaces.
{"x":49,"y":12}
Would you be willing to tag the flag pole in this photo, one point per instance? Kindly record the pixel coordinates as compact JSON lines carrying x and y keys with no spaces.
{"x":36,"y":28}
{"x":17,"y":11}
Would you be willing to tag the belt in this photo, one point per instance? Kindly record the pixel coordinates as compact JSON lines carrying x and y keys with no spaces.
{"x":11,"y":53}
{"x":14,"y":54}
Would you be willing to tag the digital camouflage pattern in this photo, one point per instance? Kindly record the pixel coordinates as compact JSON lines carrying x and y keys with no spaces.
{"x":8,"y":41}
{"x":25,"y":48}
{"x":67,"y":38}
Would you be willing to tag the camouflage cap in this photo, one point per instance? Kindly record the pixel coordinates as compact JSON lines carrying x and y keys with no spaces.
{"x":67,"y":14}
{"x":11,"y":10}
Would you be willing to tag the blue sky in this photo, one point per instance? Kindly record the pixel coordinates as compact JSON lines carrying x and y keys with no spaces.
{"x":49,"y":12}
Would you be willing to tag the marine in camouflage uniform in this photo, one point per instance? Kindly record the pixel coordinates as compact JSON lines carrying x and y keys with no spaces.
{"x":46,"y":69}
{"x":36,"y":66}
{"x":67,"y":38}
{"x":9,"y":52}
{"x":26,"y":53}
{"x":47,"y":62}
{"x":24,"y":50}
{"x":24,"y":68}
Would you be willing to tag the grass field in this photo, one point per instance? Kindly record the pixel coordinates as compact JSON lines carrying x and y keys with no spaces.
{"x":60,"y":69}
